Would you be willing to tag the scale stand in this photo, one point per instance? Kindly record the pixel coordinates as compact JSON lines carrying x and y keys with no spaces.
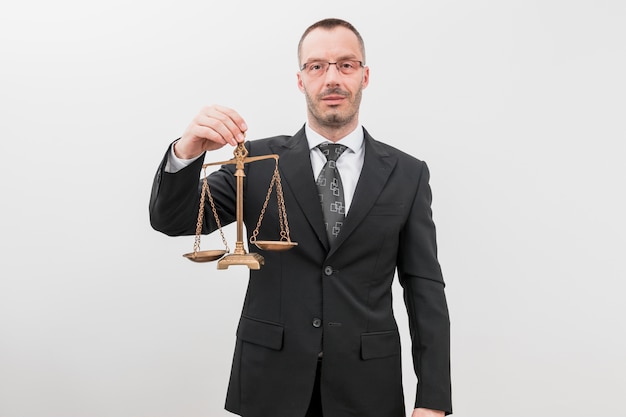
{"x":240,"y":256}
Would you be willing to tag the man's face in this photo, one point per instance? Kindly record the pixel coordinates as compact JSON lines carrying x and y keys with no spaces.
{"x":333,"y":98}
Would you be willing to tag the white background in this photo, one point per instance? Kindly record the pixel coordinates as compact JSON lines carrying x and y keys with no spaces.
{"x":517,"y":106}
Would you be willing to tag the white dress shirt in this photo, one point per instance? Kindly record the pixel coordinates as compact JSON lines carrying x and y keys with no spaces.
{"x":349,"y":163}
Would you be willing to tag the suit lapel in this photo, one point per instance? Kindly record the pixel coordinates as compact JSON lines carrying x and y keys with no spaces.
{"x":296,"y":172}
{"x":377,"y":167}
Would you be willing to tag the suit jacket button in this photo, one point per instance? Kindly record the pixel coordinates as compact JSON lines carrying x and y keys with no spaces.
{"x":328,"y":271}
{"x":317,"y":322}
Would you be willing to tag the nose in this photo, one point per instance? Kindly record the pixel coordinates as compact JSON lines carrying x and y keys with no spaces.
{"x":332,"y":74}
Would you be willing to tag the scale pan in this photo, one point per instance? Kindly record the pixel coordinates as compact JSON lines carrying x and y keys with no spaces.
{"x":205,"y":255}
{"x":275,"y":245}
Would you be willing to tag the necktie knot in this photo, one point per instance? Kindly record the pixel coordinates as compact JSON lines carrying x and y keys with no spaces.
{"x":332,"y":151}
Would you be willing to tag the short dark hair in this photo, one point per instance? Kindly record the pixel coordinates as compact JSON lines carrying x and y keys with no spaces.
{"x":329,"y":24}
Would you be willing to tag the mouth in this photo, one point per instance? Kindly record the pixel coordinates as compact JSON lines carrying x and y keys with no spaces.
{"x":333,"y":99}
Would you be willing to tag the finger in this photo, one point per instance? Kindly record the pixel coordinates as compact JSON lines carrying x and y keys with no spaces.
{"x":231,"y":119}
{"x":208,"y":134}
{"x":219,"y":128}
{"x":233,"y":116}
{"x":206,"y":139}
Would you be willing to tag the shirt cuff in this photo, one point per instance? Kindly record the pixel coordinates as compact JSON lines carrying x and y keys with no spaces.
{"x":174,"y":163}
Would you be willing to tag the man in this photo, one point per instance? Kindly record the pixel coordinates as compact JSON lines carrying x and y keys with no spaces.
{"x":317,"y":335}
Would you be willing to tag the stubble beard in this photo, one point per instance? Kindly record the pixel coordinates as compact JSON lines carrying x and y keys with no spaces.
{"x":333,"y":118}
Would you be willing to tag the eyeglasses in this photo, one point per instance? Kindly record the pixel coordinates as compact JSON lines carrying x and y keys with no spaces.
{"x":345,"y":66}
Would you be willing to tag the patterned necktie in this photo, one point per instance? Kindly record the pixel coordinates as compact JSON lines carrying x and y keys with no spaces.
{"x":331,"y":190}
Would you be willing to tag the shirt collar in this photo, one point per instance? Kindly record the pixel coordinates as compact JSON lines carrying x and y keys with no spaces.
{"x":353,"y":140}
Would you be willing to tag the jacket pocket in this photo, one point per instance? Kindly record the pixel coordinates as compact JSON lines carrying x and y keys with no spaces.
{"x":259,"y":332}
{"x":380,"y":344}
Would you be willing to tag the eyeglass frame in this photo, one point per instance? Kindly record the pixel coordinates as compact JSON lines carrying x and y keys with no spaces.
{"x":304,"y":66}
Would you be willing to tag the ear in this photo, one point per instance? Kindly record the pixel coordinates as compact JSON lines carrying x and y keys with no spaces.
{"x":300,"y":82}
{"x":366,"y":77}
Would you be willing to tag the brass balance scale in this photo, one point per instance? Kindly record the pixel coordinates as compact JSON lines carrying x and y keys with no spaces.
{"x":240,"y":256}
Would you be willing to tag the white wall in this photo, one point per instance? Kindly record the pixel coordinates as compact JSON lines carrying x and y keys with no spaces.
{"x":517,"y":106}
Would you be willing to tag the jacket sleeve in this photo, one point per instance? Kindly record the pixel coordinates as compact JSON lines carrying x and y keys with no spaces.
{"x":175,"y":199}
{"x":420,"y":275}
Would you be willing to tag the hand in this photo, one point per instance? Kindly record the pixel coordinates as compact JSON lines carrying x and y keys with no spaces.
{"x":425,"y":412}
{"x":214,"y":127}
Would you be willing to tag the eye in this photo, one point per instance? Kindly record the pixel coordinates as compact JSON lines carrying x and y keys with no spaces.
{"x":347,"y":65}
{"x":315,"y":66}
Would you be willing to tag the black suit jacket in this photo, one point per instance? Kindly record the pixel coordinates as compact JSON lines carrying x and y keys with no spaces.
{"x":317,"y":297}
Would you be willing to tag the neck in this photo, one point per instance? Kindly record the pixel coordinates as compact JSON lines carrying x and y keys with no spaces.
{"x":333,"y":133}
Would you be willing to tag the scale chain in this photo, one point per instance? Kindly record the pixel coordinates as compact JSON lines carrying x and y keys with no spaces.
{"x":206,"y":190}
{"x":196,"y":244}
{"x":284,"y":225}
{"x":282,"y":213}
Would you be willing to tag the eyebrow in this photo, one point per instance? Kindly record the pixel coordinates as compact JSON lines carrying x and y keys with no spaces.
{"x":341,"y":58}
